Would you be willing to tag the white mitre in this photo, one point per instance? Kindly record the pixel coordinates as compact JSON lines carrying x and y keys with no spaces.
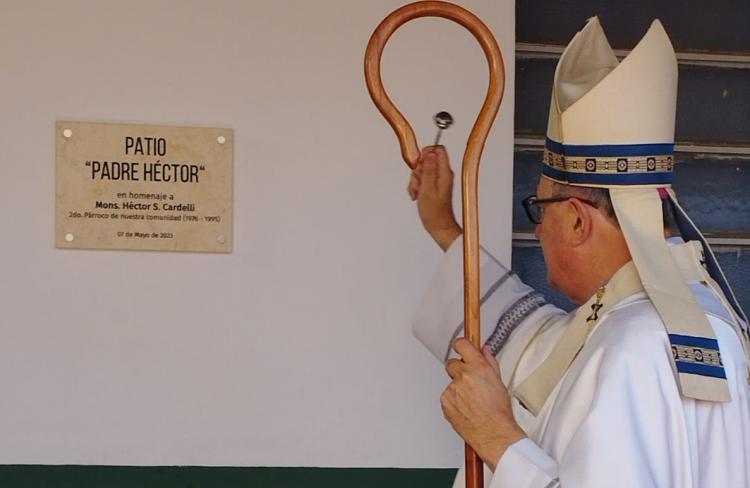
{"x":612,"y":125}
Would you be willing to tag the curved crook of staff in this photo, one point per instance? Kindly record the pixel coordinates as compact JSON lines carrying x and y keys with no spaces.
{"x":472,"y":155}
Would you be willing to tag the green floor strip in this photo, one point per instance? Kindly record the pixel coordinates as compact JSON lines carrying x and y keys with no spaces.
{"x":33,"y":476}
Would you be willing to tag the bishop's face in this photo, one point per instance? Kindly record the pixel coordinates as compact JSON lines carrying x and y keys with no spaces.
{"x":551,"y":235}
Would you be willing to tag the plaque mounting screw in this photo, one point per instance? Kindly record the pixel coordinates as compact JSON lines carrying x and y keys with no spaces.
{"x":69,"y":237}
{"x":221,"y":139}
{"x":67,"y":133}
{"x":220,"y":239}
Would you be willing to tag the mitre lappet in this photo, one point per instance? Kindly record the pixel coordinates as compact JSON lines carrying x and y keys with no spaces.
{"x":611,"y":125}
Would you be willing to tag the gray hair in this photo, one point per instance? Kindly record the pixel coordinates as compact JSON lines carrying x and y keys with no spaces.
{"x":603,"y":200}
{"x":599,"y":196}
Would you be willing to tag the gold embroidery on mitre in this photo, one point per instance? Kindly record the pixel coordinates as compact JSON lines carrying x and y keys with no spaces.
{"x":655,"y":163}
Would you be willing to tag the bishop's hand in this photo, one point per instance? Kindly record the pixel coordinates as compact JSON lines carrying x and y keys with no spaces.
{"x":431,"y":185}
{"x":477,"y":404}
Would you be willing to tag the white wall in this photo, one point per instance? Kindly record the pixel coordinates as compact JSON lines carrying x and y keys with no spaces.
{"x":296,"y":348}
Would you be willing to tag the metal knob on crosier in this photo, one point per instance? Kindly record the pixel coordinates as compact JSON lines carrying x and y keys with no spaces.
{"x":443,"y":120}
{"x":470,"y":170}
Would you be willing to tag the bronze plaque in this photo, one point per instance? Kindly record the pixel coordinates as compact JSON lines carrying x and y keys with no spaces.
{"x":143,"y":187}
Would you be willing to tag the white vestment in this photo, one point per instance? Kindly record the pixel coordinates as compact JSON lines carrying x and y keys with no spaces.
{"x":616,"y":419}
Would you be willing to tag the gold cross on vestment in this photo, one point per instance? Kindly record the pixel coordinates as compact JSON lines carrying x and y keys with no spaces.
{"x":596,"y":306}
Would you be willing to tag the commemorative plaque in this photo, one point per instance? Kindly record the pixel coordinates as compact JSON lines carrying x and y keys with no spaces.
{"x":143,"y":187}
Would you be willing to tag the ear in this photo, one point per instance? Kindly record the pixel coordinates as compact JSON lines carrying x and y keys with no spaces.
{"x":580,"y":221}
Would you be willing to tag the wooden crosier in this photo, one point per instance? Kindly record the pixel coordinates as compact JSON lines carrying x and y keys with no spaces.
{"x":472,"y":155}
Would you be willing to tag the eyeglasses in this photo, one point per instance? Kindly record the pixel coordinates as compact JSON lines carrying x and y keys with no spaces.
{"x":535,"y":211}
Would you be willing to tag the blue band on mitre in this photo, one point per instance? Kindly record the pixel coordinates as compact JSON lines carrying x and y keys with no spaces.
{"x":593,"y":179}
{"x":609,"y":164}
{"x":609,"y":150}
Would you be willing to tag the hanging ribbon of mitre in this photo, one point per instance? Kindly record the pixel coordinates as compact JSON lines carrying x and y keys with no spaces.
{"x":472,"y":155}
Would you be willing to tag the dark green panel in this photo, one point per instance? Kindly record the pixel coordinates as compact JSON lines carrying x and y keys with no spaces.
{"x":719,"y":25}
{"x":713,"y":191}
{"x":534,"y":79}
{"x":223,"y":477}
{"x":713,"y":104}
{"x":714,"y":194}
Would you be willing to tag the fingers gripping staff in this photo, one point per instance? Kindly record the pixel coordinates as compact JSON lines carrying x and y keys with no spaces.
{"x":472,"y":155}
